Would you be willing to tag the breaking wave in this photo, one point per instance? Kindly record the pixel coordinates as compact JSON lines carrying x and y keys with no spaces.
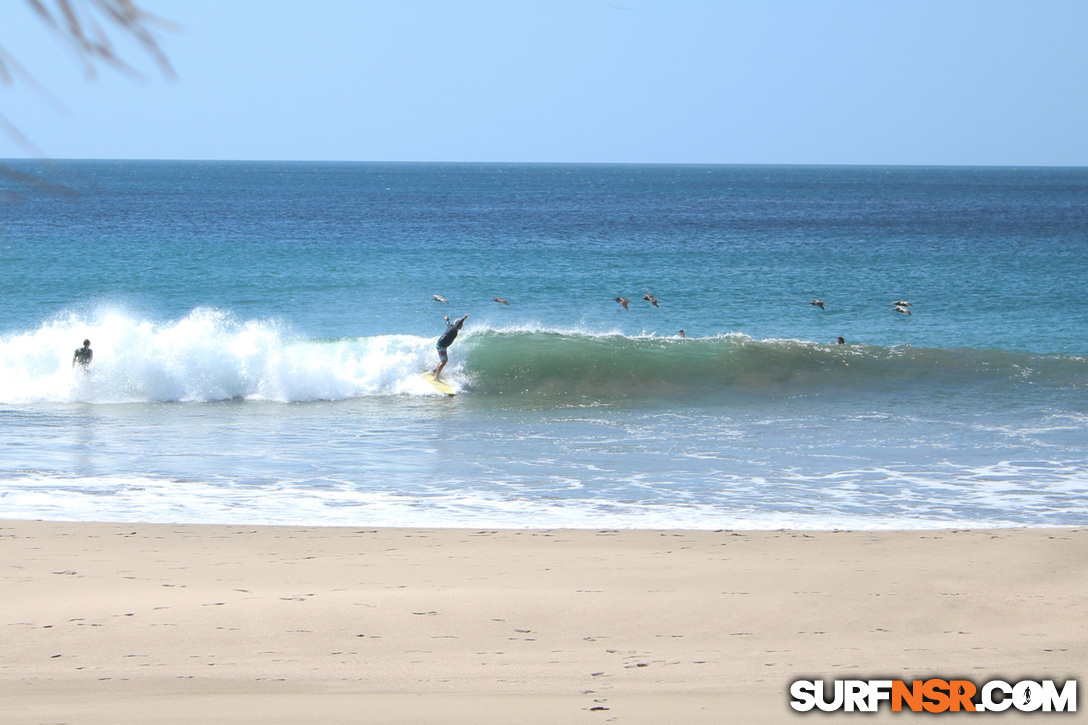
{"x":210,"y":355}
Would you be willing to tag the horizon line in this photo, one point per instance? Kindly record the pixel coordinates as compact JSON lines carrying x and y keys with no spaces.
{"x":5,"y":160}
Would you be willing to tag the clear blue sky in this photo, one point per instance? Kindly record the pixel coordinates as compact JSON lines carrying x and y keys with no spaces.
{"x":986,"y":82}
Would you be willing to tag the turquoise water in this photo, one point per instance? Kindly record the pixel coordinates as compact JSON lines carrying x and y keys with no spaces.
{"x":259,"y":330}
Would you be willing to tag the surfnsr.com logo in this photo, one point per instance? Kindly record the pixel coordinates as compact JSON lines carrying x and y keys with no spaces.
{"x":934,"y":695}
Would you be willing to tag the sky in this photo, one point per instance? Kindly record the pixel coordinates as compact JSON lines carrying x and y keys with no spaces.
{"x":911,"y":82}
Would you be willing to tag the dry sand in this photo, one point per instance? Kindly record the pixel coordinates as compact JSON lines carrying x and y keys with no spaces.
{"x":139,"y":623}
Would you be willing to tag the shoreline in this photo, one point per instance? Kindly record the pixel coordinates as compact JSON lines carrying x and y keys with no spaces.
{"x":107,"y":622}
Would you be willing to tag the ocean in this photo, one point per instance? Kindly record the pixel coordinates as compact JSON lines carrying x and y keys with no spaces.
{"x":260,"y":329}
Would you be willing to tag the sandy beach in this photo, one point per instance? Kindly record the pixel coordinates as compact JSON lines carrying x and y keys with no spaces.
{"x":125,"y":623}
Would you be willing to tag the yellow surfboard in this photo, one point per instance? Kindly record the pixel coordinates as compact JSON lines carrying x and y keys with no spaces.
{"x":439,"y":385}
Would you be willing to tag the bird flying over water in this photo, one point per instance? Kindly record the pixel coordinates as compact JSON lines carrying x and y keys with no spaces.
{"x":440,"y":298}
{"x":623,"y":301}
{"x":818,"y":303}
{"x":500,"y":300}
{"x":902,"y":303}
{"x":650,"y":298}
{"x":900,"y":308}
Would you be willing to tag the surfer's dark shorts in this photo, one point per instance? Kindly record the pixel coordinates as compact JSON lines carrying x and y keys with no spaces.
{"x":442,"y":355}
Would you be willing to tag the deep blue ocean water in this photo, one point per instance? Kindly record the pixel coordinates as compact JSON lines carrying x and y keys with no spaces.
{"x":259,"y":331}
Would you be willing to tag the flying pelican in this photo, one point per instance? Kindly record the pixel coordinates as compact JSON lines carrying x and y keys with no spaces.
{"x":500,"y":300}
{"x":902,"y":303}
{"x":440,"y":298}
{"x":650,"y":298}
{"x":818,"y":303}
{"x":623,"y":301}
{"x":900,"y":308}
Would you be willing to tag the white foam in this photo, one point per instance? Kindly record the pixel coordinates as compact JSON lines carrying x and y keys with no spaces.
{"x":207,"y":355}
{"x":533,"y":327}
{"x":540,"y":327}
{"x":165,"y":500}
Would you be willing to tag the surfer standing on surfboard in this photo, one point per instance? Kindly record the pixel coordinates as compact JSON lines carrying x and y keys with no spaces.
{"x":452,"y":328}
